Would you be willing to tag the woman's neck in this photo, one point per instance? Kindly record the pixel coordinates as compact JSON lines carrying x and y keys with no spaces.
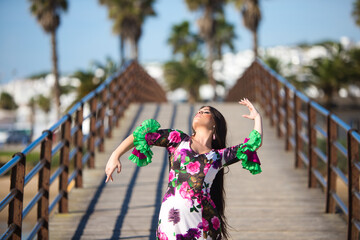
{"x":204,"y":137}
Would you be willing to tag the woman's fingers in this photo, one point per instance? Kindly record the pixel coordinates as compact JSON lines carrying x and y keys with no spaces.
{"x":109,"y":171}
{"x":107,"y":179}
{"x":118,"y":167}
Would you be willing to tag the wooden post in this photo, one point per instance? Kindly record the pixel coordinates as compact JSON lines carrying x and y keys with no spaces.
{"x":312,"y":144}
{"x":64,"y":161}
{"x":118,"y":100}
{"x":263,"y":93}
{"x":252,"y":83}
{"x":277,"y":107}
{"x":287,"y":119}
{"x":331,"y":161}
{"x":92,"y":132}
{"x":79,"y":145}
{"x":103,"y":97}
{"x":16,"y":205}
{"x":111,"y":108}
{"x":271,"y":100}
{"x":353,"y":176}
{"x":44,"y":185}
{"x":298,"y":122}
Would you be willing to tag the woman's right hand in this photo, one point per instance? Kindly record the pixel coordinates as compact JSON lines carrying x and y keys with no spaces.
{"x":111,"y":165}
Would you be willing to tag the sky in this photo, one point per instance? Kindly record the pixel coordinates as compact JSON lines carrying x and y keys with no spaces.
{"x":85,"y":33}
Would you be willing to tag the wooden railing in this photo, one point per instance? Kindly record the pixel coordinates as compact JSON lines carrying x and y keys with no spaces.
{"x":321,"y":141}
{"x":98,"y":112}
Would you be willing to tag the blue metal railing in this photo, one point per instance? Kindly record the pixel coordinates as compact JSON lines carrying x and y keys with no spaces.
{"x":73,"y":145}
{"x":297,"y":118}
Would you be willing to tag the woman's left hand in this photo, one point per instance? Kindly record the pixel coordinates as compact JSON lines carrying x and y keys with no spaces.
{"x":253,"y":112}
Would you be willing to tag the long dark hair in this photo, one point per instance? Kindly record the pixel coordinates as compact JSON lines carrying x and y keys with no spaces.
{"x":217,"y":190}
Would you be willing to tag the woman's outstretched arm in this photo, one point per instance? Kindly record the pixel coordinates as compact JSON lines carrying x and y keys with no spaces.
{"x":253,"y":115}
{"x":114,"y":160}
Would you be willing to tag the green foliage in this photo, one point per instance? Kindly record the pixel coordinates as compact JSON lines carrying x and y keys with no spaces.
{"x":251,"y":16}
{"x":7,"y":101}
{"x":88,"y":82}
{"x":188,"y":75}
{"x":356,"y":12}
{"x":184,"y":42}
{"x":38,"y":75}
{"x":273,"y":63}
{"x":224,"y":35}
{"x":88,"y":79}
{"x":128,"y":17}
{"x":48,"y":12}
{"x":44,"y":103}
{"x":331,"y":73}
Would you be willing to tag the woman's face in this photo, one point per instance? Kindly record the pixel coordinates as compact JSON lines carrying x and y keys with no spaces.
{"x":203,"y":118}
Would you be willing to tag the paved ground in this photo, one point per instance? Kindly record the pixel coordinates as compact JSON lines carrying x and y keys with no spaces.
{"x":273,"y":205}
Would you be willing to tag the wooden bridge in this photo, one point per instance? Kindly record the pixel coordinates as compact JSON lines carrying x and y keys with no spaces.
{"x":304,"y":191}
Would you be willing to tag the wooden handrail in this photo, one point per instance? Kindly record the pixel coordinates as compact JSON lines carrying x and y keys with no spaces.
{"x":106,"y":105}
{"x":297,"y":118}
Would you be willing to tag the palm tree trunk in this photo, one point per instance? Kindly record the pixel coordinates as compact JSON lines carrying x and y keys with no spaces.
{"x":208,"y":32}
{"x":210,"y":60}
{"x":136,"y":50}
{"x":56,"y":74}
{"x":255,"y":44}
{"x":122,"y":54}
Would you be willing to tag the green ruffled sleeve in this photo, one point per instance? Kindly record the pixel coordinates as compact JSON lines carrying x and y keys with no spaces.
{"x":142,"y":153}
{"x":246,"y":152}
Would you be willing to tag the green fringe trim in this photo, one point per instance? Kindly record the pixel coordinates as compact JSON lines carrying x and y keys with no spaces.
{"x":141,"y":162}
{"x":148,"y":126}
{"x":252,"y":144}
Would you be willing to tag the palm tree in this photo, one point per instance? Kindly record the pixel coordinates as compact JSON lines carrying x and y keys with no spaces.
{"x":89,"y":80}
{"x":356,"y":12}
{"x":7,"y":101}
{"x":224,"y":36}
{"x":185,"y":72}
{"x":251,"y":16}
{"x":273,"y":62}
{"x":209,"y":9}
{"x":184,"y":42}
{"x":331,"y":73}
{"x":187,"y":75}
{"x":128,"y":17}
{"x":47,"y":14}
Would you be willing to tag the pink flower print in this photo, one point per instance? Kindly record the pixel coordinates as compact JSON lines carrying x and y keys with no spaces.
{"x":193,"y":168}
{"x":205,"y":225}
{"x":174,"y":137}
{"x":171,"y":175}
{"x":171,"y":149}
{"x":151,"y":138}
{"x":215,"y":222}
{"x":206,"y":168}
{"x":161,"y":235}
{"x":185,"y":191}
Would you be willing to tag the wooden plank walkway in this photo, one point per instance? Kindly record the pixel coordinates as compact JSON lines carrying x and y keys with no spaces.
{"x":273,"y":205}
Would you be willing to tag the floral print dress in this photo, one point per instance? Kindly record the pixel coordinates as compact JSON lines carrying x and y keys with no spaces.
{"x":187,"y":210}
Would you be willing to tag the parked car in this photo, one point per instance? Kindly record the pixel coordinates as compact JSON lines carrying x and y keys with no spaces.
{"x":18,"y":137}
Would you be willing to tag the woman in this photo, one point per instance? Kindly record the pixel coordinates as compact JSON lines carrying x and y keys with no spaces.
{"x":193,"y":205}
